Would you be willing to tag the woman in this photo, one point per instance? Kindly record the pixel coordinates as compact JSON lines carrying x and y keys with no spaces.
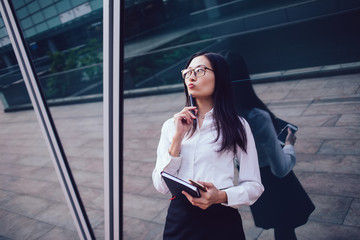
{"x":284,"y":204}
{"x":204,"y":150}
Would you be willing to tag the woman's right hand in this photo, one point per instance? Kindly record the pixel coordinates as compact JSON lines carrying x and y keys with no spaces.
{"x":290,"y":138}
{"x":184,"y":120}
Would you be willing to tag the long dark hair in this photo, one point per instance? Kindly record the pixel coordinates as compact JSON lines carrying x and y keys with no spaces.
{"x":226,"y":120}
{"x":244,"y":94}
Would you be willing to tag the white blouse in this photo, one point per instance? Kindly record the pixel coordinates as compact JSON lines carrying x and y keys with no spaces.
{"x":270,"y":153}
{"x":199,"y":160}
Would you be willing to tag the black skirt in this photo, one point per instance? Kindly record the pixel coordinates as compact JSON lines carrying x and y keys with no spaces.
{"x":284,"y":202}
{"x":185,"y":221}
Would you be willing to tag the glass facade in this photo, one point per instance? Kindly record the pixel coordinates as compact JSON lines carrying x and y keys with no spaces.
{"x":37,"y":17}
{"x":65,"y":41}
{"x":64,"y":45}
{"x":64,"y":38}
{"x":268,"y":35}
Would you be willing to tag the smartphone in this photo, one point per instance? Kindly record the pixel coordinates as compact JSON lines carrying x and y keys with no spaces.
{"x":192,"y":103}
{"x":198,"y":185}
{"x":284,"y":132}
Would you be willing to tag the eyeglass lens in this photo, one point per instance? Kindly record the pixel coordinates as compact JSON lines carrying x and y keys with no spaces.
{"x":199,"y":72}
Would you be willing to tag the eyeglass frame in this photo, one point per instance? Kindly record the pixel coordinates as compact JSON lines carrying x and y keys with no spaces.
{"x":193,"y":70}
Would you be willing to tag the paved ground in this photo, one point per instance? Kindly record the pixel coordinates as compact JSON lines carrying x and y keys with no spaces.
{"x":32,"y":206}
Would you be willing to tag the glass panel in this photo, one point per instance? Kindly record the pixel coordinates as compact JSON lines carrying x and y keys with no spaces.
{"x":4,"y":42}
{"x":53,"y":22}
{"x":30,"y":193}
{"x":50,"y":12}
{"x":26,"y":23}
{"x":41,"y":27}
{"x":78,"y":2}
{"x":33,"y":7}
{"x":23,"y":12}
{"x":37,"y":18}
{"x":63,"y":5}
{"x":45,"y":3}
{"x":272,"y":36}
{"x":2,"y":32}
{"x":30,"y":32}
{"x":68,"y":61}
{"x":82,"y":10}
{"x":18,"y":3}
{"x":95,"y":5}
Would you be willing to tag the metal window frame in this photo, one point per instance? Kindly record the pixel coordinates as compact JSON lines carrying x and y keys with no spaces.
{"x":45,"y":120}
{"x":113,"y":118}
{"x":113,"y":55}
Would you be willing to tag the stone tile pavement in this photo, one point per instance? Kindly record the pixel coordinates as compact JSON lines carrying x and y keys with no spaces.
{"x":32,"y":206}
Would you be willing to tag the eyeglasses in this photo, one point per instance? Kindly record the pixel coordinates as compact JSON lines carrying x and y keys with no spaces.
{"x":199,"y":72}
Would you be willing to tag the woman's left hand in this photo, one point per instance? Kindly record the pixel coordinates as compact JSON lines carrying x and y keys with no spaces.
{"x":290,"y":138}
{"x":208,"y":198}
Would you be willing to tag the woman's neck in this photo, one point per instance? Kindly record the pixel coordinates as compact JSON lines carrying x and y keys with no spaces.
{"x":204,"y":106}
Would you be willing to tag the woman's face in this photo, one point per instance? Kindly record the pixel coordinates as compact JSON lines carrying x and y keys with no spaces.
{"x":201,"y":86}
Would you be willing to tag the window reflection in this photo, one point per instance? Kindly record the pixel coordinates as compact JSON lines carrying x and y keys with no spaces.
{"x":65,"y":39}
{"x":276,"y":39}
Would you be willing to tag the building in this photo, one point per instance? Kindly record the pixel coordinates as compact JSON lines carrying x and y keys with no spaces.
{"x":273,"y":36}
{"x":278,"y":39}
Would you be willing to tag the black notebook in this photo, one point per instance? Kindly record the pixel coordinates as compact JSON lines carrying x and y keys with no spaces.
{"x":177,"y":185}
{"x":283,"y":125}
